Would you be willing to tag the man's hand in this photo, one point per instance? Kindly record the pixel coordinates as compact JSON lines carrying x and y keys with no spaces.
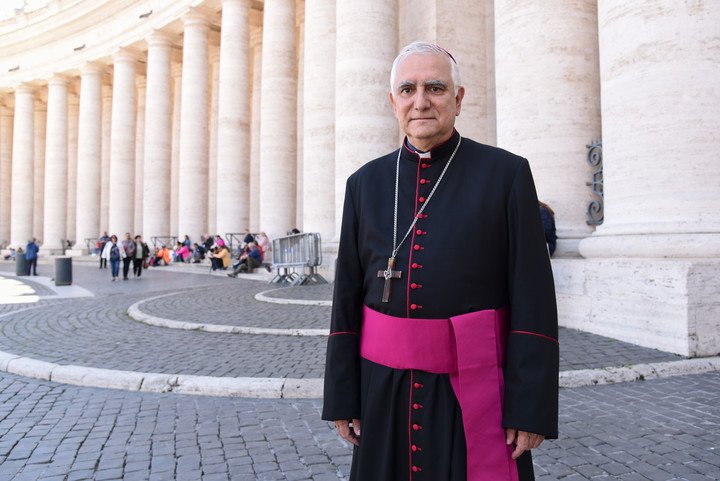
{"x":523,"y":440}
{"x":349,"y":433}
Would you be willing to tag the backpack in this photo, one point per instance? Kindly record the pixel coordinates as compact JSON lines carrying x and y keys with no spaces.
{"x":114,"y":253}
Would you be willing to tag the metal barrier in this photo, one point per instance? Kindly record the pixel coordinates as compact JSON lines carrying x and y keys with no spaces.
{"x":299,"y":251}
{"x":164,"y":240}
{"x":91,"y":243}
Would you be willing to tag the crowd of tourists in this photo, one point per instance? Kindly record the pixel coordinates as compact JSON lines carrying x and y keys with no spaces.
{"x":214,"y":249}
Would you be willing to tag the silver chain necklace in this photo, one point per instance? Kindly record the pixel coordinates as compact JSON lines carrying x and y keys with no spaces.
{"x":396,"y":248}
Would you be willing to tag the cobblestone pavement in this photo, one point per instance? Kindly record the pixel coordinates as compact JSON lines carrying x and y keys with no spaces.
{"x":653,"y":430}
{"x":97,"y":332}
{"x":657,"y":430}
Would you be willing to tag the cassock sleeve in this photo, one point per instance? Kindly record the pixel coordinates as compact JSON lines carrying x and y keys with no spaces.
{"x":341,"y":399}
{"x":532,"y":363}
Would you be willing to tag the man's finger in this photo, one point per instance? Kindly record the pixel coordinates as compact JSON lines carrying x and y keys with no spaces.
{"x":522,"y":444}
{"x":356,"y":427}
{"x":343,"y":429}
{"x":510,"y":434}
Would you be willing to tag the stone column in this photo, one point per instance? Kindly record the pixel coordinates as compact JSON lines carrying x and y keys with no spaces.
{"x":547,"y":68}
{"x":122,"y":145}
{"x":139,"y":155}
{"x":213,"y":147}
{"x":193,"y":182}
{"x":107,"y":95}
{"x":39,"y":169}
{"x":299,"y":104}
{"x":72,"y":183}
{"x":56,"y":157}
{"x":254,"y":178}
{"x":365,"y":49}
{"x":319,"y":119}
{"x":158,"y":139}
{"x":278,"y":119}
{"x":21,"y":217}
{"x":6,"y":134}
{"x":234,"y":118}
{"x":176,"y":71}
{"x":651,"y":267}
{"x":89,"y":154}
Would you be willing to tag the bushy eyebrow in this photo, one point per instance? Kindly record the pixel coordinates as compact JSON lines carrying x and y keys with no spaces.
{"x":430,"y":83}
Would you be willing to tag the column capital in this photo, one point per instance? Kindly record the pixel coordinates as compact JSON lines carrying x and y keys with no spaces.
{"x":92,"y":68}
{"x":196,"y":17}
{"x":126,"y":55}
{"x":160,"y":38}
{"x":238,"y":2}
{"x":25,"y":88}
{"x":58,"y":80}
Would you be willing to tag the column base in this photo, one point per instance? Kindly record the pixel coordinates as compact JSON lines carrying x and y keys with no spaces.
{"x":667,"y":304}
{"x":662,"y":245}
{"x":51,"y":251}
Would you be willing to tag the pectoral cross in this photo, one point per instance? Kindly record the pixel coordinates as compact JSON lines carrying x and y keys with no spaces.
{"x":389,"y":274}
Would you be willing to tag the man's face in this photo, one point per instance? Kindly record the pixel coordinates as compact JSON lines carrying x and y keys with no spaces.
{"x":424,"y":100}
{"x":127,"y":235}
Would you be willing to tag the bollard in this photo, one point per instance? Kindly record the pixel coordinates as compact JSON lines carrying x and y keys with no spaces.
{"x":63,"y":271}
{"x":22,"y":267}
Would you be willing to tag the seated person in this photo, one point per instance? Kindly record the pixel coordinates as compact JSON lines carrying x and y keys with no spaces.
{"x":220,"y":258}
{"x":161,"y":257}
{"x":251,"y":259}
{"x":182,"y":253}
{"x":198,"y":253}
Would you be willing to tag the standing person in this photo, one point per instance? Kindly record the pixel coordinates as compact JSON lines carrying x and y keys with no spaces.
{"x":451,"y":369}
{"x":102,"y":240}
{"x":31,"y":255}
{"x":141,"y":254}
{"x":548,"y":220}
{"x":128,"y":245}
{"x":113,"y":252}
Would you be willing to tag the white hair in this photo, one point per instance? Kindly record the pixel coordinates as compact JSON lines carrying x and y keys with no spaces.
{"x":425,"y":48}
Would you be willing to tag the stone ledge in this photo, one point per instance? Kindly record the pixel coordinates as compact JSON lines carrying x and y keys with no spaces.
{"x":291,"y":388}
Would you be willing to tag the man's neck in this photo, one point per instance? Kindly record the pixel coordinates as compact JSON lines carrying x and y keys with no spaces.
{"x":421,"y":145}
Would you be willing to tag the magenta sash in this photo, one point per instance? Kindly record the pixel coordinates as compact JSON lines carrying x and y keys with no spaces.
{"x":469,"y":347}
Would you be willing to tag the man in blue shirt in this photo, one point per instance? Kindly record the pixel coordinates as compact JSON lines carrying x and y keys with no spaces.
{"x":31,"y":254}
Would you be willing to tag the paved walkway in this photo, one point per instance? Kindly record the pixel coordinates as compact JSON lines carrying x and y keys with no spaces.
{"x":660,"y":429}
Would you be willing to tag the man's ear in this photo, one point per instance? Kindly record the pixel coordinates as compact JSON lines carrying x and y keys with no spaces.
{"x":458,"y":100}
{"x":392,"y":102}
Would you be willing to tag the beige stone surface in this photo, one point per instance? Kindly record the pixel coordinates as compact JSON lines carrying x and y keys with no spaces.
{"x":365,"y":127}
{"x":56,"y":155}
{"x":176,"y":71}
{"x":89,"y":153}
{"x":660,"y":111}
{"x":193,"y":145}
{"x":21,"y":218}
{"x":107,"y":94}
{"x":233,"y":140}
{"x":38,"y":169}
{"x":548,"y":100}
{"x":122,"y":145}
{"x":213,"y":140}
{"x":141,"y":91}
{"x":6,"y":134}
{"x":318,"y":188}
{"x":254,"y":177}
{"x":158,"y":139}
{"x":72,"y":184}
{"x":278,"y":153}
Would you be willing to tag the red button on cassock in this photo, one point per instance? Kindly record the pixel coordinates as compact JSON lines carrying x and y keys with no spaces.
{"x":413,"y":306}
{"x":416,"y":469}
{"x":413,"y":286}
{"x":414,"y":265}
{"x":417,"y":247}
{"x":419,"y":232}
{"x":424,"y":166}
{"x":417,"y":427}
{"x":422,"y":199}
{"x":417,"y":385}
{"x":416,"y":406}
{"x":423,"y":181}
{"x":414,"y":448}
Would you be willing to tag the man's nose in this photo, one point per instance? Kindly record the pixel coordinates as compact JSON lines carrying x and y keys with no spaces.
{"x":422,"y":101}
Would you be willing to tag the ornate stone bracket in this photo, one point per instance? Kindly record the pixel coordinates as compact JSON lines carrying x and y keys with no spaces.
{"x":596,"y":208}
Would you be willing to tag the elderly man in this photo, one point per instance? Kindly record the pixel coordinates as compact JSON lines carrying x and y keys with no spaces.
{"x":443,"y":344}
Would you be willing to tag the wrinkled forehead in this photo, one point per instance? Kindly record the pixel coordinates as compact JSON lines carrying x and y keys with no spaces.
{"x":423,"y":67}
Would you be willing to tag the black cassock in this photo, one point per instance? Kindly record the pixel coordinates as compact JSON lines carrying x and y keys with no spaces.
{"x":479,"y":245}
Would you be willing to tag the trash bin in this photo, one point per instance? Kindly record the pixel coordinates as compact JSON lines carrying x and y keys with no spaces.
{"x":22,"y":267}
{"x":63,"y":271}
